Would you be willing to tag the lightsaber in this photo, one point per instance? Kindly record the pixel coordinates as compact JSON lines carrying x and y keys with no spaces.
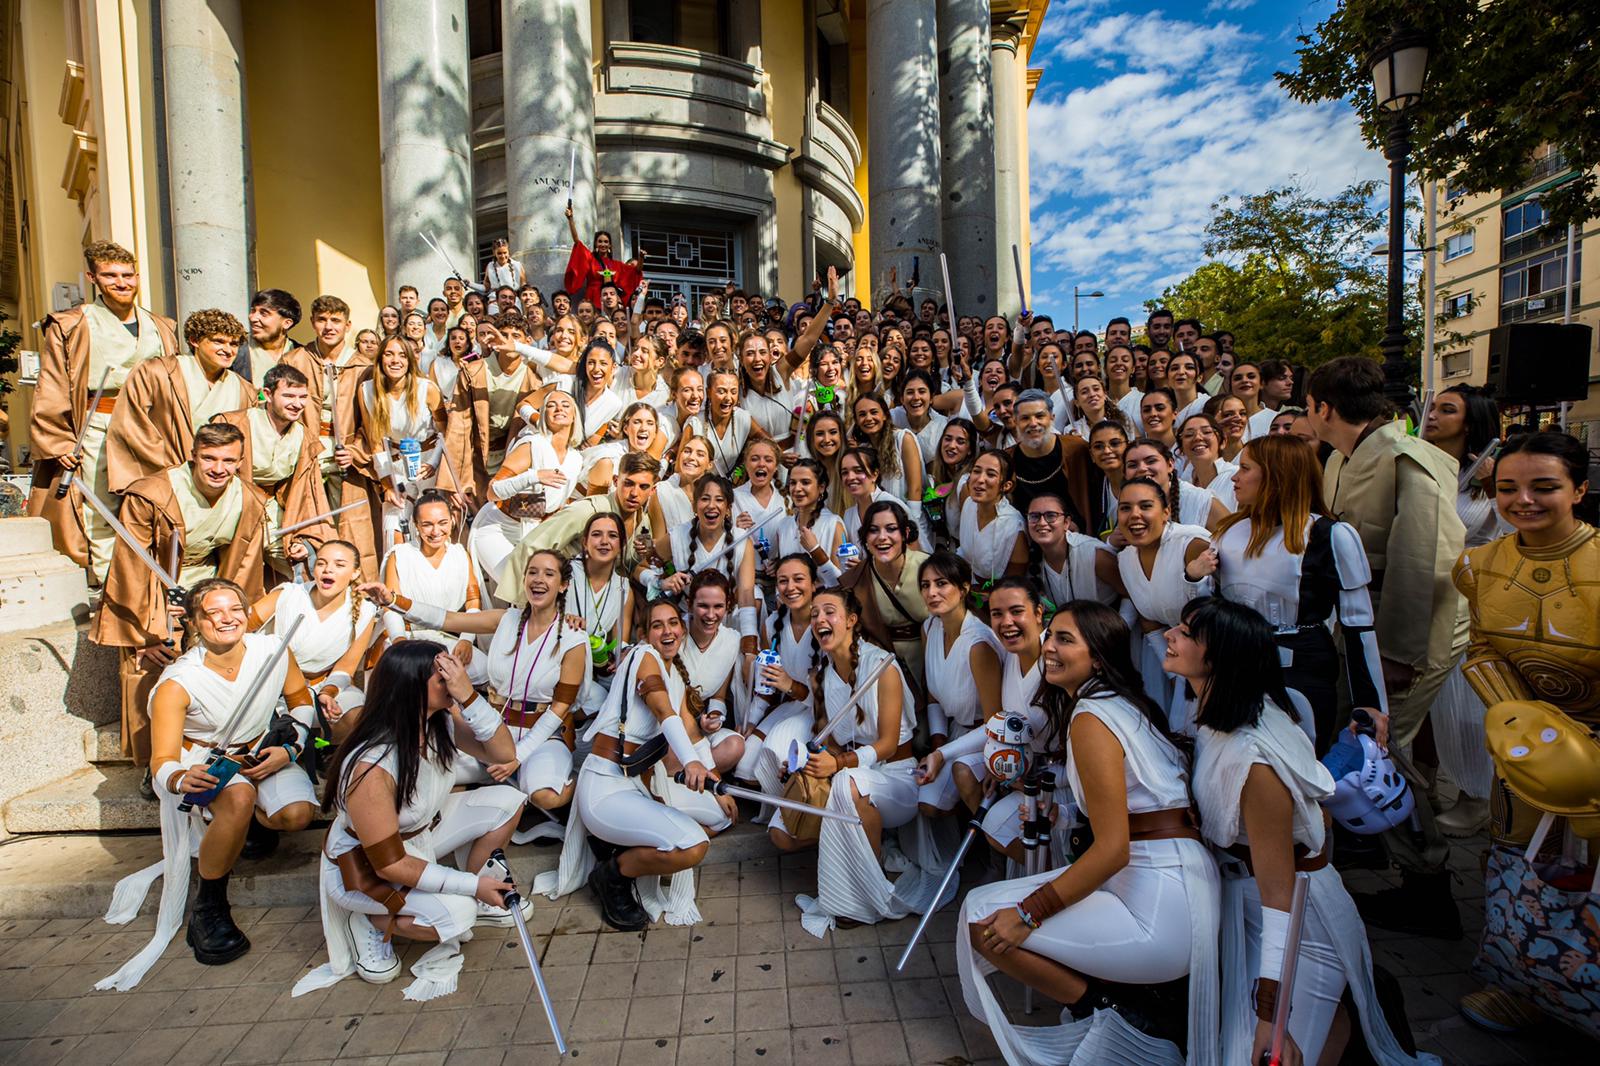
{"x":1030,"y":853}
{"x":127,"y":538}
{"x":1273,"y":1056}
{"x":219,"y":750}
{"x":432,"y":242}
{"x":1022,"y":292}
{"x":819,"y":742}
{"x":319,"y":518}
{"x":514,"y":905}
{"x":572,"y":173}
{"x":722,"y":788}
{"x":949,"y":293}
{"x":741,"y":539}
{"x":173,"y":593}
{"x":77,"y":446}
{"x":333,"y":406}
{"x":974,"y":827}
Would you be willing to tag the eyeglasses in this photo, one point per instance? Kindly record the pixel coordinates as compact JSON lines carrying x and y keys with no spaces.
{"x":1045,"y":518}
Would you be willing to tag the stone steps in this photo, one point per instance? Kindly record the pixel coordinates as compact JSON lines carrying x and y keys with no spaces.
{"x":94,"y":799}
{"x":102,"y":745}
{"x":72,"y":875}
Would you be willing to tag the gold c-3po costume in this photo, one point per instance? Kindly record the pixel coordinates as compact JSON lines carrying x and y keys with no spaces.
{"x":1535,"y":636}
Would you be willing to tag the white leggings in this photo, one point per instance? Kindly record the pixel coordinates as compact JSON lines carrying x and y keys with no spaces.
{"x":544,"y":766}
{"x":1319,"y":977}
{"x":765,"y":756}
{"x":941,"y":793}
{"x":618,"y":810}
{"x":466,"y":816}
{"x":1134,"y":929}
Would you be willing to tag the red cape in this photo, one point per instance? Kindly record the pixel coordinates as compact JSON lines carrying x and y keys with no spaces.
{"x":586,"y":272}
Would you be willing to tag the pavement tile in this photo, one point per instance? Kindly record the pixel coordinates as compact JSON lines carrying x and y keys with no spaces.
{"x":661,"y":977}
{"x":761,"y":936}
{"x":705,"y":1049}
{"x":769,"y":1048}
{"x":934,"y":1040}
{"x":598,"y":1019}
{"x":651,"y":1016}
{"x":809,"y":968}
{"x":712,"y":974}
{"x":713,"y":940}
{"x":763,"y":1008}
{"x":867,"y":1001}
{"x":920,"y":998}
{"x":861,"y":963}
{"x":435,"y":1030}
{"x":825,"y":1045}
{"x":40,"y":1051}
{"x":877,"y":1044}
{"x":490,"y":1026}
{"x":761,"y":971}
{"x":618,"y":947}
{"x":709,"y":1012}
{"x":665,"y":942}
{"x":657,"y":1051}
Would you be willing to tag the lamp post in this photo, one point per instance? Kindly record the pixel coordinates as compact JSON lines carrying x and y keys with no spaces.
{"x":1398,"y":68}
{"x":1076,"y":296}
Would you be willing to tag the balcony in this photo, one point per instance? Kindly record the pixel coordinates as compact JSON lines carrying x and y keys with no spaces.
{"x":827,"y":163}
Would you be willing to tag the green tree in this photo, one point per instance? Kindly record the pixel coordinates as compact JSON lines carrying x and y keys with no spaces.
{"x":1291,"y":276}
{"x":1504,"y":78}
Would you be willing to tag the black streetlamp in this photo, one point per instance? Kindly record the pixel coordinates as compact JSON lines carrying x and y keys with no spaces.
{"x":1398,"y":69}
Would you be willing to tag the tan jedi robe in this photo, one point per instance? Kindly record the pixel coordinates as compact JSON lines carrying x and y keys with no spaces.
{"x":133,"y":608}
{"x":153,"y":426}
{"x":1399,"y":492}
{"x":356,"y":526}
{"x":477,"y":435}
{"x":301,"y":495}
{"x":60,"y":411}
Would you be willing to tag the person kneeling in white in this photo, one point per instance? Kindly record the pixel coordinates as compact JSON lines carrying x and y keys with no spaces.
{"x":195,"y":707}
{"x":869,"y":764}
{"x":395,"y":816}
{"x":1259,"y":787}
{"x":1138,"y":907}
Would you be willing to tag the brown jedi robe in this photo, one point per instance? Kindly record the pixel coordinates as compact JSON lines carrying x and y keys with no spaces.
{"x":152,"y":428}
{"x":60,"y":411}
{"x":302,"y":496}
{"x":356,"y":525}
{"x":1073,"y":452}
{"x":467,"y":434}
{"x":133,"y":606}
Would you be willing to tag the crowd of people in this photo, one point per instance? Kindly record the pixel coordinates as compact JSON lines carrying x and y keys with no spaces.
{"x":1162,"y":621}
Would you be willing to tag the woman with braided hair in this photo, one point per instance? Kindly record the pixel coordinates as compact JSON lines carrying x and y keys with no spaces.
{"x":718,"y":669}
{"x":339,"y":627}
{"x":670,"y":504}
{"x":438,"y":572}
{"x":725,"y":424}
{"x":783,"y":715}
{"x":1191,"y":505}
{"x":651,"y":697}
{"x":811,"y":529}
{"x":868,"y":764}
{"x":537,"y":666}
{"x":600,"y":601}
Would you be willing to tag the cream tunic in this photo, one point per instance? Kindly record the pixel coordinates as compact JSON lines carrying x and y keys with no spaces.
{"x":207,"y":526}
{"x":208,"y":398}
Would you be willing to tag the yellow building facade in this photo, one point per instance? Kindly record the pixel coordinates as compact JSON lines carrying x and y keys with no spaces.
{"x":312,"y":146}
{"x":1500,"y":261}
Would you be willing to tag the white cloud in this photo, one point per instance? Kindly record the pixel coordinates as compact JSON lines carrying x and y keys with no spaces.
{"x":1228,"y":5}
{"x":1124,"y":171}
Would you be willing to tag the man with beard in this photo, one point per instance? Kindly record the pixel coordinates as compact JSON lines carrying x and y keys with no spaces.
{"x":1045,"y":462}
{"x":273,"y":313}
{"x":1158,"y":330}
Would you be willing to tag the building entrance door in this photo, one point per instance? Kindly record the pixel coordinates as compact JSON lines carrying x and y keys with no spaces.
{"x":687,"y":261}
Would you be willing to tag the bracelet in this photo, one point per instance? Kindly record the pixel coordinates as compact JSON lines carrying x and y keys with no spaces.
{"x":1043,"y":903}
{"x":1266,"y":999}
{"x":798,"y":691}
{"x":1027,"y":919}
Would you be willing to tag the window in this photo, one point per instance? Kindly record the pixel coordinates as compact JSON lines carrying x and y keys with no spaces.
{"x":483,"y":28}
{"x":1523,"y":229}
{"x":1534,"y":288}
{"x":1546,"y":161}
{"x":1456,"y":306}
{"x":698,"y":24}
{"x":1456,"y":364}
{"x":687,"y":260}
{"x":1457,"y":246}
{"x":1452,"y":193}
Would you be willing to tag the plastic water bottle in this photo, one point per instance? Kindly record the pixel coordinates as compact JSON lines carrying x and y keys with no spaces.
{"x":411,"y":452}
{"x":767,"y":657}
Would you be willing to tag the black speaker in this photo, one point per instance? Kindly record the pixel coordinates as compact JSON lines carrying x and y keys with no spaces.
{"x":1539,"y":363}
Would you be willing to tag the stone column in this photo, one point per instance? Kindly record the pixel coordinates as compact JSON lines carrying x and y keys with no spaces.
{"x":549,"y":105}
{"x":966,"y":116}
{"x":1010,"y":115}
{"x":424,"y":138}
{"x":202,"y":69}
{"x":903,"y":141}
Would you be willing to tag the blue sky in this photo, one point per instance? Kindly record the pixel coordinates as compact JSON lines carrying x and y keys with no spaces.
{"x":1146,"y":115}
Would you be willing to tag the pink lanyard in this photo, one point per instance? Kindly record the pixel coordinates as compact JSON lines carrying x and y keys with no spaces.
{"x":527,"y":678}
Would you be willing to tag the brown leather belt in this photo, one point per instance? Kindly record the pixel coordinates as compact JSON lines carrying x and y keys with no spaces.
{"x":523,"y":506}
{"x":515,"y":715}
{"x":106,"y":405}
{"x":359,"y":875}
{"x":190,"y":743}
{"x":1302,"y":863}
{"x":905,"y":631}
{"x":1174,"y":823}
{"x":609,"y":747}
{"x":327,"y":429}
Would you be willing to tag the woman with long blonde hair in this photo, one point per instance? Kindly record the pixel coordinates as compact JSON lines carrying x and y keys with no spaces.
{"x":398,"y":408}
{"x":1283,"y":555}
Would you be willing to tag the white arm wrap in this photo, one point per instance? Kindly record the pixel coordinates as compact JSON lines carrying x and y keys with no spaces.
{"x":716,"y":706}
{"x":745,"y":618}
{"x":338,"y":679}
{"x":966,"y":744}
{"x":866,"y":757}
{"x":974,"y":398}
{"x":481,"y":719}
{"x":534,"y":355}
{"x":678,"y":741}
{"x":426,"y":615}
{"x":1274,"y":941}
{"x":546,"y":727}
{"x":526,"y":413}
{"x":829,"y":573}
{"x":938,"y":724}
{"x":161,"y":776}
{"x":515,"y":485}
{"x":444,"y":881}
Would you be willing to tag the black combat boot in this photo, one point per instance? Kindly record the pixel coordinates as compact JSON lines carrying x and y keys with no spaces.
{"x":212,"y":934}
{"x":1421,"y":905}
{"x":619,"y":900}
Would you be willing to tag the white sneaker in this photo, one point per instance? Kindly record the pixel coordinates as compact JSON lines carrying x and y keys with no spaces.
{"x":376,"y":962}
{"x":499,"y":916}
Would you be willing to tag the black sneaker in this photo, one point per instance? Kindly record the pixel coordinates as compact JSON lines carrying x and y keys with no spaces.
{"x":147,"y":787}
{"x":1102,"y":995}
{"x":618,"y":898}
{"x":259,"y":841}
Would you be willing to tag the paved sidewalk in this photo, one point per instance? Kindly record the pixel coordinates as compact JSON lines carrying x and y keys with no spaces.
{"x":748,"y":986}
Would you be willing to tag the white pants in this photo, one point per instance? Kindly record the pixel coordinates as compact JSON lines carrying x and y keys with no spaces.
{"x":93,"y":473}
{"x":617,"y":809}
{"x":765,"y":756}
{"x":466,"y":816}
{"x":493,"y":537}
{"x":289,"y":785}
{"x":941,"y":793}
{"x":701,"y":806}
{"x":850,"y":878}
{"x":544,"y":766}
